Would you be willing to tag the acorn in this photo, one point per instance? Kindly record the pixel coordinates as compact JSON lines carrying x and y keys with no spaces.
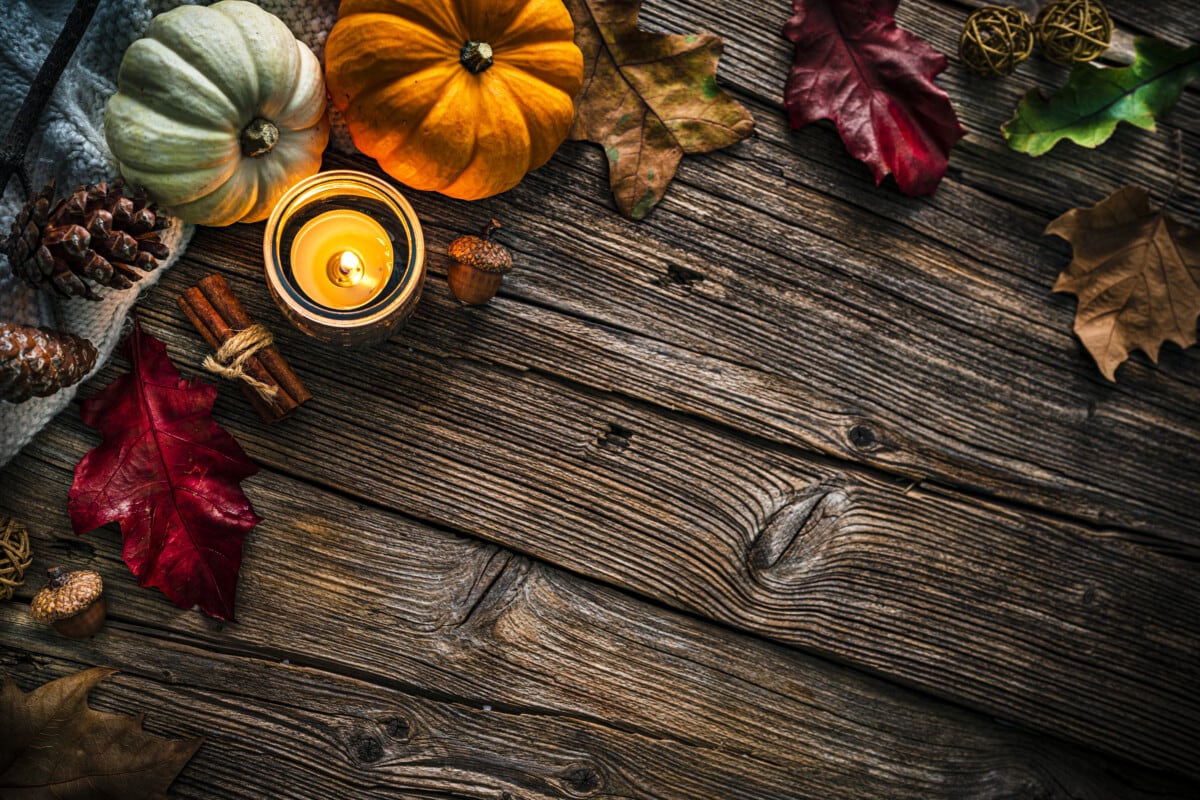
{"x":477,"y":266}
{"x":73,"y":601}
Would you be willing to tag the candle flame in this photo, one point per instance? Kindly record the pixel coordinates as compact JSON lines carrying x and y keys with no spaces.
{"x":345,"y":269}
{"x":350,"y":262}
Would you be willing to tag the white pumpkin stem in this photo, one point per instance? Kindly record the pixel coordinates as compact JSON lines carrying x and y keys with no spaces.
{"x":476,"y":56}
{"x":259,"y":137}
{"x":16,"y":142}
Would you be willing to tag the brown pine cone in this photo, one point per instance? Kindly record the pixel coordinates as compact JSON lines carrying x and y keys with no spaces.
{"x":96,"y":235}
{"x":37,"y":362}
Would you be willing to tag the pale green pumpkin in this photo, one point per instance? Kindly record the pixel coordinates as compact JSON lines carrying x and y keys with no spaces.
{"x":218,"y":111}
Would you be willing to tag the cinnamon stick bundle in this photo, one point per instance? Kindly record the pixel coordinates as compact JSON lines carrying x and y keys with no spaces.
{"x":217,"y":315}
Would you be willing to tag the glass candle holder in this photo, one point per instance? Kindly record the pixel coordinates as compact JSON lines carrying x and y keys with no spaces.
{"x":345,"y":257}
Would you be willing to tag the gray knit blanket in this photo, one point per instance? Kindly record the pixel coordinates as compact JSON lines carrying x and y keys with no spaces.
{"x":69,"y":147}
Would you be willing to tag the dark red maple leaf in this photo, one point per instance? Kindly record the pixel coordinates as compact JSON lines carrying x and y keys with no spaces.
{"x":170,"y":476}
{"x":853,"y":65}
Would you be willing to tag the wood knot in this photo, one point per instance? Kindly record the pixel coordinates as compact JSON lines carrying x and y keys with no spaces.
{"x":366,"y":749}
{"x":867,"y":437}
{"x":582,"y":781}
{"x":614,"y":437}
{"x":794,"y":532}
{"x":678,"y":275}
{"x":398,"y":728}
{"x":864,"y":437}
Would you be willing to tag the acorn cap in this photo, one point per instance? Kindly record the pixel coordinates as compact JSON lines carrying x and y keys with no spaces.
{"x":67,"y":594}
{"x":481,"y":252}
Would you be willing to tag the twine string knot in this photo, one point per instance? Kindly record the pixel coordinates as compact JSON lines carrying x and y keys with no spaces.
{"x":231,"y":358}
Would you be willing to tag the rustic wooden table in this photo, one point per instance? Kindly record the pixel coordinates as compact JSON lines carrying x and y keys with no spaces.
{"x":798,"y":489}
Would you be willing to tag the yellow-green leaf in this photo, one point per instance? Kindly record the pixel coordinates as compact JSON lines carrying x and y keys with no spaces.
{"x":1087,"y":109}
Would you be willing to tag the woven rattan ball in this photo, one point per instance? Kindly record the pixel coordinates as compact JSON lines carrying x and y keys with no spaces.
{"x":1073,"y":30}
{"x":15,"y":556}
{"x":995,"y":40}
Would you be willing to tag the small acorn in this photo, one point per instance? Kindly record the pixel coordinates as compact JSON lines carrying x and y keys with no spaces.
{"x":477,"y":266}
{"x":73,"y":601}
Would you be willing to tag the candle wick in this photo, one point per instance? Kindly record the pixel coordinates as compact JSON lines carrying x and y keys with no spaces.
{"x":345,"y":269}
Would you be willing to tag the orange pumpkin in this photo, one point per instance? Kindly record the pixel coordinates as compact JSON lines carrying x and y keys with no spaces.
{"x":461,"y":97}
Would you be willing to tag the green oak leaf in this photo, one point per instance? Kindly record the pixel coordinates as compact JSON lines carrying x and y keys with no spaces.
{"x":1087,"y":109}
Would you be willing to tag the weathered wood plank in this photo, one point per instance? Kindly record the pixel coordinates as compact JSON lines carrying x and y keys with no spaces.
{"x":283,"y":730}
{"x":506,"y":676}
{"x":777,"y":293}
{"x":949,"y":375}
{"x":963,"y":275}
{"x":946,"y":323}
{"x":953,"y":360}
{"x":756,"y":60}
{"x":806,"y":552}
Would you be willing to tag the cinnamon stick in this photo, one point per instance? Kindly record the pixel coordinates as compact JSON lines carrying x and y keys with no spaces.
{"x":227,"y":305}
{"x":217,"y":315}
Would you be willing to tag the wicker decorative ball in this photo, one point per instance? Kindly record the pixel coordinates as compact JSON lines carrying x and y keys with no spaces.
{"x":995,"y":40}
{"x":15,"y":556}
{"x":1073,"y":30}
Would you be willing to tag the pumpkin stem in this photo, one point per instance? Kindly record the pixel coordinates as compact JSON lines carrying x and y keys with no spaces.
{"x":259,"y":137}
{"x":476,"y":56}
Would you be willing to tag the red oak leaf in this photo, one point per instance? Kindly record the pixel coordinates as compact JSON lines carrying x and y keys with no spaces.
{"x":854,"y":66}
{"x":170,"y":476}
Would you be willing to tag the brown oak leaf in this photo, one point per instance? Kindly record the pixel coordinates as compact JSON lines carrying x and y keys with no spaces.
{"x":54,"y":745}
{"x":1136,"y":272}
{"x":648,"y":99}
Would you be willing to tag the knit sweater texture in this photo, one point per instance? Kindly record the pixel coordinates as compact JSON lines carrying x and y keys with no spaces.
{"x":69,"y":148}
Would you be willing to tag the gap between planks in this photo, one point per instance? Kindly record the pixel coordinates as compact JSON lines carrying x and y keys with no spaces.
{"x":1130,"y":586}
{"x":761,"y":722}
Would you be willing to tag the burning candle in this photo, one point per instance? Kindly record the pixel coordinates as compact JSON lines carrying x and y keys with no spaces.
{"x":342,"y":259}
{"x":345,"y":257}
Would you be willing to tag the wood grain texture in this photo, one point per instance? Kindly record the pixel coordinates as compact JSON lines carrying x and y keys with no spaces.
{"x":928,"y":321}
{"x":1101,"y":449}
{"x":1039,"y":621}
{"x":378,"y":657}
{"x":931,"y":318}
{"x":791,"y":402}
{"x":756,"y":60}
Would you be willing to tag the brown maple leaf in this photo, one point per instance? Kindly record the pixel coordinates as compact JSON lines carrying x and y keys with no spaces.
{"x":1136,"y":272}
{"x":648,"y":99}
{"x":54,"y":745}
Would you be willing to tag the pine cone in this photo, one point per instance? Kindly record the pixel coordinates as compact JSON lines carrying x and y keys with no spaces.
{"x":37,"y":362}
{"x":96,"y":235}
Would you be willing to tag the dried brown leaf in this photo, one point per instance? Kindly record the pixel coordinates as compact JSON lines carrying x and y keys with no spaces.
{"x":54,"y":745}
{"x":1136,"y":272}
{"x":648,"y":99}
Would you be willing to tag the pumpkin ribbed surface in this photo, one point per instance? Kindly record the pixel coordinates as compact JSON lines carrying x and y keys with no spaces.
{"x":419,"y":94}
{"x":219,"y":110}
